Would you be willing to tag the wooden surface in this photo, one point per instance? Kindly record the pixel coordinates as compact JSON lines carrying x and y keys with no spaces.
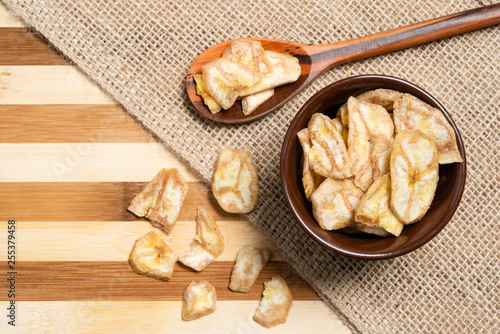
{"x":71,"y":161}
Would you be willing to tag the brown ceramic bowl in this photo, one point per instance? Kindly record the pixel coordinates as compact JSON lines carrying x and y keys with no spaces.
{"x":364,"y":246}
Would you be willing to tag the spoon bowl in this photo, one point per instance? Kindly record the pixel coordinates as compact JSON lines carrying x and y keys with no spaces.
{"x":316,"y":59}
{"x":282,"y":94}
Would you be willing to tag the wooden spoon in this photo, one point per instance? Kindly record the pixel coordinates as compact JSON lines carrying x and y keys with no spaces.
{"x":316,"y":59}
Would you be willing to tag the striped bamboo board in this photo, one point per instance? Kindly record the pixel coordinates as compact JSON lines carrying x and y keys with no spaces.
{"x":71,"y":161}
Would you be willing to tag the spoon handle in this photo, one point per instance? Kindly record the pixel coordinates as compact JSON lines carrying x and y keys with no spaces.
{"x":327,"y":56}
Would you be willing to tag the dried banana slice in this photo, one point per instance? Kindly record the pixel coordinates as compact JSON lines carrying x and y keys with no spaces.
{"x":249,"y":53}
{"x":284,"y":69}
{"x":338,"y":125}
{"x":310,"y":179}
{"x":411,"y":113}
{"x":162,"y":198}
{"x":223,"y":78}
{"x":249,"y":263}
{"x":207,"y":245}
{"x":382,"y":97}
{"x":208,"y":234}
{"x":343,"y":130}
{"x":414,"y":175}
{"x":335,"y":202}
{"x":328,"y":154}
{"x":152,"y":257}
{"x":197,"y":257}
{"x":374,"y":211}
{"x":209,"y":101}
{"x":235,"y":181}
{"x":275,"y":304}
{"x":198,"y":300}
{"x":251,"y":102}
{"x":371,"y":133}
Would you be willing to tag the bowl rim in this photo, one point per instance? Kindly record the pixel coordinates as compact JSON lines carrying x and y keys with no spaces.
{"x":404,"y":249}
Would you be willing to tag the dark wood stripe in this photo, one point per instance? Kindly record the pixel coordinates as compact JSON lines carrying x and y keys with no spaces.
{"x":91,"y":201}
{"x":69,"y":124}
{"x":51,"y":281}
{"x":23,"y":46}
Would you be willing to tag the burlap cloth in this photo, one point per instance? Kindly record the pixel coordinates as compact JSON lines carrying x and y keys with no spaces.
{"x":139,"y":52}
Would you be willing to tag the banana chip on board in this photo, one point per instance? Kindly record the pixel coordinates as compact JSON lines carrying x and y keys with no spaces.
{"x":249,"y":53}
{"x":414,"y":175}
{"x":310,"y":179}
{"x":411,"y":113}
{"x":382,"y":97}
{"x":284,"y":69}
{"x":275,"y":304}
{"x":209,"y":101}
{"x":335,"y":202}
{"x":162,"y":198}
{"x":152,"y":257}
{"x":224,"y":78}
{"x":374,"y":213}
{"x":207,"y":245}
{"x":235,"y":181}
{"x":198,"y":300}
{"x":249,"y":263}
{"x":328,"y":154}
{"x":371,"y":133}
{"x":251,"y":102}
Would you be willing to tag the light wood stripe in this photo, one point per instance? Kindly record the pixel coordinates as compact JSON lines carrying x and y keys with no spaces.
{"x":125,"y":317}
{"x":71,"y":123}
{"x":7,"y":19}
{"x":91,"y":201}
{"x":22,"y":46}
{"x":43,"y":280}
{"x":87,"y":162}
{"x":112,"y":241}
{"x":48,"y":85}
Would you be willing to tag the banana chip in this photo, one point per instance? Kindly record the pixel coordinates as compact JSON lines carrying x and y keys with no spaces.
{"x":152,"y":257}
{"x":223,"y":78}
{"x":275,"y":304}
{"x":414,"y":175}
{"x":162,"y":198}
{"x":374,"y":213}
{"x":198,"y":300}
{"x":411,"y":113}
{"x":328,"y":154}
{"x":310,"y":179}
{"x":251,"y":102}
{"x":335,"y":202}
{"x":197,"y":257}
{"x":382,"y":97}
{"x":247,"y":71}
{"x":249,"y":263}
{"x":284,"y":69}
{"x":371,"y":133}
{"x":235,"y":181}
{"x":208,"y":234}
{"x":207,"y":245}
{"x":249,"y":53}
{"x":209,"y":101}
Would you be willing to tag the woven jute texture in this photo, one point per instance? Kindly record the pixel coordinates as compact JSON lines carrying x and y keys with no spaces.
{"x":139,"y":52}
